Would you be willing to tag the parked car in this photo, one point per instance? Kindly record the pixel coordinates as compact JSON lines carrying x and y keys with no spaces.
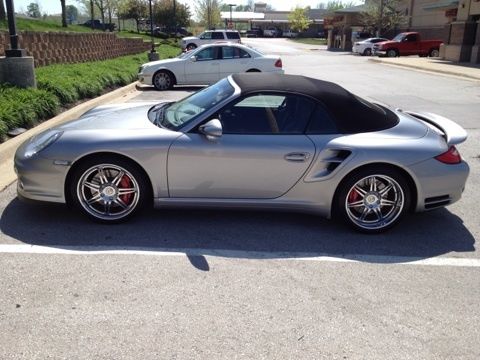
{"x":260,"y":141}
{"x":365,"y":47}
{"x":209,"y":37}
{"x":206,"y":65}
{"x":407,"y":43}
{"x":290,"y":34}
{"x":97,"y":24}
{"x":171,"y":31}
{"x":272,"y":32}
{"x":254,"y":32}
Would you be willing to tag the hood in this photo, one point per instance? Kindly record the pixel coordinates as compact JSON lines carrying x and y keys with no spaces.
{"x":161,"y":62}
{"x":116,"y":116}
{"x":388,"y":42}
{"x":189,"y":38}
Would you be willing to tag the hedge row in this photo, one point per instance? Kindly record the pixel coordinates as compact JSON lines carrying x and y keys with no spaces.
{"x":61,"y":85}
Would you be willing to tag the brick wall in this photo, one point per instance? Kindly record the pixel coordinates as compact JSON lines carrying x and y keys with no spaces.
{"x":51,"y":47}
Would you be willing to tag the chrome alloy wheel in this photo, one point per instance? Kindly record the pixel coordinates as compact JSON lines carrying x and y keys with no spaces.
{"x":108,"y":192}
{"x":162,"y":81}
{"x":374,"y":202}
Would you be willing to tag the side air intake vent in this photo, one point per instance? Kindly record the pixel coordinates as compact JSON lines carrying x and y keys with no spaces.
{"x":437,"y":201}
{"x":328,"y":161}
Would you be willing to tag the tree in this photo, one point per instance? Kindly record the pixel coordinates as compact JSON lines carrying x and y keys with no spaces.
{"x":164,"y":14}
{"x":298,"y":19}
{"x":33,"y":10}
{"x":64,"y":13}
{"x":3,"y":15}
{"x":71,"y":13}
{"x":209,"y":12}
{"x":383,"y":15}
{"x":333,"y":5}
{"x":133,"y":9}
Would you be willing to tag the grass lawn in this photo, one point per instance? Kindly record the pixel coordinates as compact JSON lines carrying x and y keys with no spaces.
{"x":62,"y":85}
{"x":42,"y":25}
{"x":311,"y":41}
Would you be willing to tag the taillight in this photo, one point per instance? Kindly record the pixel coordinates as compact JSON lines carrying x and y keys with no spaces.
{"x":451,"y":156}
{"x":278,"y":63}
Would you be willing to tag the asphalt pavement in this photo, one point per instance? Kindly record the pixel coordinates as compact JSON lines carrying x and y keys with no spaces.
{"x":196,"y":284}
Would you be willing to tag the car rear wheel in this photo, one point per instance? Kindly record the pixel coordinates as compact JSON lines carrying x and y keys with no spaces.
{"x":434,"y":53}
{"x":373,"y":200}
{"x":367,"y":52}
{"x":108,"y":191}
{"x":392,"y":53}
{"x":163,"y":80}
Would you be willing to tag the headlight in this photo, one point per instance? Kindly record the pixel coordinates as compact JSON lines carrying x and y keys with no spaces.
{"x":40,"y":142}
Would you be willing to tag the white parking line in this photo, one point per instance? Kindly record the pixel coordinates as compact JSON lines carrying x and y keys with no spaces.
{"x":291,"y":256}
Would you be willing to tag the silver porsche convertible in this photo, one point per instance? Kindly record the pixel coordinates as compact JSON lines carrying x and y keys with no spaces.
{"x":260,"y":141}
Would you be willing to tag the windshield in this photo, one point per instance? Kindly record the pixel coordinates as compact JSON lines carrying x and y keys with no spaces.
{"x":178,"y":114}
{"x":398,"y":38}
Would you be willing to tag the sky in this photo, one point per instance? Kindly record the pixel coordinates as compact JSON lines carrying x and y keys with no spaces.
{"x":53,"y":6}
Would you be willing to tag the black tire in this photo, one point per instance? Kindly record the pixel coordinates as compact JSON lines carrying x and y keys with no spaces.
{"x":373,"y":199}
{"x":434,"y":53}
{"x":367,"y":52}
{"x":163,"y":80}
{"x":392,"y":53}
{"x":253,"y":70}
{"x":108,"y":191}
{"x":191,"y":47}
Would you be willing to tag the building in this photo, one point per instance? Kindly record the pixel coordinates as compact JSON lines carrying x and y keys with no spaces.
{"x":456,"y":22}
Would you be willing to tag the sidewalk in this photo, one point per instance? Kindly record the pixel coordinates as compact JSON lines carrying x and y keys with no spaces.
{"x":466,"y":70}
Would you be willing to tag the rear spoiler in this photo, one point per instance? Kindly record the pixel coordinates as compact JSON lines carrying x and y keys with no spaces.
{"x":452,"y":132}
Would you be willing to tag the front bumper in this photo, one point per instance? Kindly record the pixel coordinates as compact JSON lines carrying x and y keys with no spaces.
{"x":40,"y":179}
{"x":379,"y":52}
{"x":145,"y":79}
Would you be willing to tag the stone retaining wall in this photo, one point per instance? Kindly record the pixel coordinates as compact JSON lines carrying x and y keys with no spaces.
{"x":68,"y":47}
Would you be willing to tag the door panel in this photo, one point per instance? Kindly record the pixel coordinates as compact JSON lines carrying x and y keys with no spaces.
{"x":237,"y":166}
{"x":205,"y":70}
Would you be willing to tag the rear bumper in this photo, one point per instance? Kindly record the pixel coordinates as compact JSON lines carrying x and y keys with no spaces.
{"x":439,"y":184}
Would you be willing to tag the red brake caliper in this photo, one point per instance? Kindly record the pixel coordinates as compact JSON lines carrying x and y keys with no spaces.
{"x":353,"y":196}
{"x":126,"y":183}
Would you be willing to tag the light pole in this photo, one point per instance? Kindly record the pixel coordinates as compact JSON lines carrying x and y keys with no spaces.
{"x":231,"y":6}
{"x":152,"y":55}
{"x":16,"y":67}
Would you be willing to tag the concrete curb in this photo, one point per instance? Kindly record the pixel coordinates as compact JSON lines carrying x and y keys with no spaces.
{"x":8,"y":148}
{"x":433,"y":69}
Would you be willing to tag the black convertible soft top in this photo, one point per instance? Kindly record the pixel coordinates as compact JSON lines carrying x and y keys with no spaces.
{"x":351,"y":113}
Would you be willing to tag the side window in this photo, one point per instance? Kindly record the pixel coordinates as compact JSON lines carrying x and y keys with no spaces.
{"x":321,"y":122}
{"x":228,"y":52}
{"x":233,"y":35}
{"x":217,"y":35}
{"x":207,"y":54}
{"x":243,"y":54}
{"x":206,"y":36}
{"x":267,"y":114}
{"x":412,"y":38}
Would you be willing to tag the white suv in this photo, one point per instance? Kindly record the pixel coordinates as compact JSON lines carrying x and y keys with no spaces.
{"x":210,"y":36}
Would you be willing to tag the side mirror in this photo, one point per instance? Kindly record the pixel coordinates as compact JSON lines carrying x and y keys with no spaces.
{"x":212,"y":128}
{"x":193,"y":58}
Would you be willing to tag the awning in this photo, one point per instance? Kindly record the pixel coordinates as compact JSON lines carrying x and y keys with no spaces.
{"x":442,"y":5}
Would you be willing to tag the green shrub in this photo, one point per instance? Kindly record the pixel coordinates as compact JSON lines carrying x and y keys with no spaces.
{"x":64,"y":84}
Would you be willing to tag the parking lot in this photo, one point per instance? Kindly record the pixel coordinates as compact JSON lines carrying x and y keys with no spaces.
{"x":191,"y":284}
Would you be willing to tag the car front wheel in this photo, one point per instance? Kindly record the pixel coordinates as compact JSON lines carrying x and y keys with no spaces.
{"x":373,"y":200}
{"x":163,"y":80}
{"x":108,"y":192}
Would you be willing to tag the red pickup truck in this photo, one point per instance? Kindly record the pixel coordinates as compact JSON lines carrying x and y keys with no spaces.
{"x":407,"y":43}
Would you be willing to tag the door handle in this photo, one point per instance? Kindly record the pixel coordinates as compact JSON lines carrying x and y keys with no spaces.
{"x":297,"y":156}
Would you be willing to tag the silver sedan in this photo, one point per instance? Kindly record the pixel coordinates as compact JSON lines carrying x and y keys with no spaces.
{"x":261,"y":141}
